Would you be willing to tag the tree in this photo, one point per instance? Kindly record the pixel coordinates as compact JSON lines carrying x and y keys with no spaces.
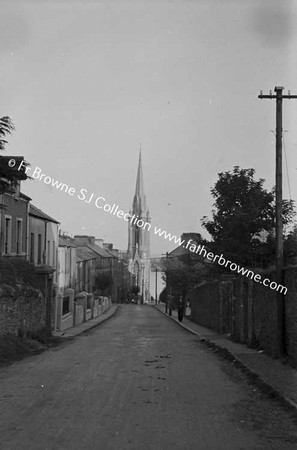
{"x":15,"y":271}
{"x":162,"y":296}
{"x":103,"y":281}
{"x":242,"y":210}
{"x":290,"y":246}
{"x":6,"y":127}
{"x":9,"y":173}
{"x":135,"y":290}
{"x":181,"y":276}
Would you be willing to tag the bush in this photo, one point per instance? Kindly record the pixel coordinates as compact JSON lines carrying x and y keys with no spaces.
{"x":103,"y":281}
{"x":43,"y":335}
{"x":18,"y":271}
{"x":162,"y":296}
{"x":135,"y":290}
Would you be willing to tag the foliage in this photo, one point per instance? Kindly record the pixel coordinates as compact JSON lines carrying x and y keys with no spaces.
{"x":6,"y":127}
{"x":162,"y":296}
{"x":135,"y":290}
{"x":14,"y":348}
{"x":9,"y":175}
{"x":242,"y":210}
{"x":18,"y":271}
{"x":103,"y":281}
{"x":182,"y":275}
{"x":290,"y":247}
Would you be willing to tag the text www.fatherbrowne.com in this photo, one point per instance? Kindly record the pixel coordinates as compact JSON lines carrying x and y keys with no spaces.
{"x":201,"y":250}
{"x":115,"y":210}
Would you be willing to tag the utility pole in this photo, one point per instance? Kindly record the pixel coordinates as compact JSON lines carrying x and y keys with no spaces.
{"x":278,"y":212}
{"x":167,"y":283}
{"x":156,"y":290}
{"x":142,"y":282}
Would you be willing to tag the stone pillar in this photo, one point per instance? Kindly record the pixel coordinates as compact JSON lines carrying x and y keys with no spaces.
{"x":55,"y":304}
{"x":81,"y":299}
{"x":90,"y":302}
{"x":70,"y":292}
{"x":59,"y":311}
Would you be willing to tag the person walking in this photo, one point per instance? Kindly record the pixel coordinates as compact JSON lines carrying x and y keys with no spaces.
{"x":180,"y":308}
{"x":188,"y":310}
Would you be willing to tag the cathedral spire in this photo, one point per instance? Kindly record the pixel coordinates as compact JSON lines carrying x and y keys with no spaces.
{"x":139,"y":188}
{"x":139,"y":202}
{"x":139,"y":239}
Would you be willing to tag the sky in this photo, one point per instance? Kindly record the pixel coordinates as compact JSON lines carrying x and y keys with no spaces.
{"x":87,"y":82}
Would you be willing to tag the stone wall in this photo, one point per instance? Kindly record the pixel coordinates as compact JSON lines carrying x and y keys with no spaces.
{"x":291,"y":312}
{"x":22,"y":309}
{"x":247,"y":311}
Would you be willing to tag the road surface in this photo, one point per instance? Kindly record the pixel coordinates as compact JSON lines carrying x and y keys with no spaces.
{"x":137,"y":381}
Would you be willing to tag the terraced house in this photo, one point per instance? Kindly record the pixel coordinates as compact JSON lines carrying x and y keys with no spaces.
{"x":14,"y":226}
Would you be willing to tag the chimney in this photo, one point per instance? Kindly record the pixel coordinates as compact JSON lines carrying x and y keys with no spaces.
{"x":84,"y":240}
{"x":99,"y":242}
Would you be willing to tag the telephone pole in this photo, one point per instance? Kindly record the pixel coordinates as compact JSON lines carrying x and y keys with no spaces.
{"x":278,"y":212}
{"x":156,"y":286}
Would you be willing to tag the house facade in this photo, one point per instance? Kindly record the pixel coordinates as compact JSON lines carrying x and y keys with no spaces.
{"x":85,"y":269}
{"x":103,"y":259}
{"x":67,"y":266}
{"x":43,"y":240}
{"x":14,"y":224}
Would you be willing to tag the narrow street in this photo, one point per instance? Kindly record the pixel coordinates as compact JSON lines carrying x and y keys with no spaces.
{"x":137,"y":381}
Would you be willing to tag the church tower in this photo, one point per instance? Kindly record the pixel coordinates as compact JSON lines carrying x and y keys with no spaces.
{"x":139,"y":238}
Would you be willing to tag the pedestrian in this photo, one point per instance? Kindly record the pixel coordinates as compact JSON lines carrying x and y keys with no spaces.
{"x":180,"y":308}
{"x":188,"y":308}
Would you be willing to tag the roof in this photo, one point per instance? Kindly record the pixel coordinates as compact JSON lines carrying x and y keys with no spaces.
{"x":66,"y":241}
{"x":112,"y":253}
{"x":21,"y":195}
{"x":25,"y":197}
{"x":84,"y":254}
{"x":103,"y":252}
{"x":40,"y":214}
{"x":181,"y":251}
{"x":13,"y":164}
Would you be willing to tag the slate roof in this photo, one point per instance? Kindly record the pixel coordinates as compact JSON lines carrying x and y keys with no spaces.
{"x":181,"y":251}
{"x":40,"y":214}
{"x":84,"y":254}
{"x":111,"y":253}
{"x":66,"y":241}
{"x":103,"y":252}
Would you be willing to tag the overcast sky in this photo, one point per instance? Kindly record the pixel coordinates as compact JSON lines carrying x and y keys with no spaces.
{"x":85,"y":82}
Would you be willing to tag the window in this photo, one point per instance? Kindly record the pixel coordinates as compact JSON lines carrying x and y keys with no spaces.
{"x":19,"y":226}
{"x":32,"y":246}
{"x":66,"y":305}
{"x":54,"y":251}
{"x":89,"y":302}
{"x":48,"y":252}
{"x":7,"y":237}
{"x":39,"y":251}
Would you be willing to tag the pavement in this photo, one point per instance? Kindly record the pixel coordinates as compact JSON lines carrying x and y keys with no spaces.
{"x":274,"y":376}
{"x":137,"y":382}
{"x":85,"y":326}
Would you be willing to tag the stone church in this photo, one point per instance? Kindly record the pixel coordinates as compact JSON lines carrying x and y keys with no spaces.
{"x":139,"y":239}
